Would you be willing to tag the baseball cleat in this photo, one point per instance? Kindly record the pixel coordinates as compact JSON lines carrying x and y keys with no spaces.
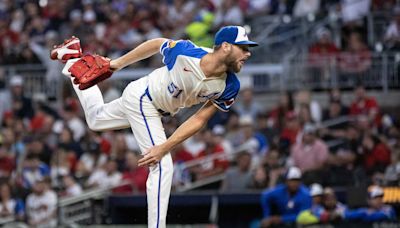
{"x":70,"y":49}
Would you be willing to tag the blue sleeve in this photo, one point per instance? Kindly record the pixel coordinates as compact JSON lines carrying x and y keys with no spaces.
{"x":289,"y":218}
{"x":266,"y":203}
{"x":171,"y":49}
{"x":19,"y":207}
{"x":357,"y":214}
{"x":228,"y":96}
{"x":379,"y":216}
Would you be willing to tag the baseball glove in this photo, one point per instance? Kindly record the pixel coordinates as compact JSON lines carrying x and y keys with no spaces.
{"x":90,"y":70}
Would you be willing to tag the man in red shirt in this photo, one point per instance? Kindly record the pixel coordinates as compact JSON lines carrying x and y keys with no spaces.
{"x":6,"y":163}
{"x":365,"y":105}
{"x":377,"y":155}
{"x":211,"y":167}
{"x":323,"y":50}
{"x":134,"y":177}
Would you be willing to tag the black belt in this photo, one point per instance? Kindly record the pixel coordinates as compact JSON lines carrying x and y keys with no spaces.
{"x":162,"y":112}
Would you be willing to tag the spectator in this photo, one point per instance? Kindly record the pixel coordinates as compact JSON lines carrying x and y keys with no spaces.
{"x":392,"y":172}
{"x":20,"y":104}
{"x":306,"y":7}
{"x":91,"y":159}
{"x":304,"y":100}
{"x":257,"y":8}
{"x":33,"y":170}
{"x":317,"y":193}
{"x":248,"y":139}
{"x":134,"y":177}
{"x":312,"y":215}
{"x":392,"y":34}
{"x":265,"y":128}
{"x":290,"y":133}
{"x":310,"y":155}
{"x":336,"y":108}
{"x":282,"y":7}
{"x":6,"y":162}
{"x":365,"y":105}
{"x":211,"y":167}
{"x":119,"y":149}
{"x":72,"y":119}
{"x":237,"y":179}
{"x":333,"y":209}
{"x":377,"y":211}
{"x":228,"y":13}
{"x":37,"y":147}
{"x":66,"y":142}
{"x":72,"y":188}
{"x":5,"y":103}
{"x":10,"y":208}
{"x":182,"y":174}
{"x":259,"y":179}
{"x":273,"y":167}
{"x":53,"y":68}
{"x":219,"y":132}
{"x":322,"y":56}
{"x":180,"y":154}
{"x":181,"y":12}
{"x":355,"y":60}
{"x":232,"y":127}
{"x":76,"y":26}
{"x":376,"y":154}
{"x":41,"y":205}
{"x":195,"y":144}
{"x":247,"y":106}
{"x":277,"y":114}
{"x":105,"y":177}
{"x":283,"y":203}
{"x":62,"y":164}
{"x":353,"y":11}
{"x":8,"y":39}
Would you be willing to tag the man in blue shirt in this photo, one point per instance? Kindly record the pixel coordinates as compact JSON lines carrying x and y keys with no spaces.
{"x":377,"y":210}
{"x":283,"y":203}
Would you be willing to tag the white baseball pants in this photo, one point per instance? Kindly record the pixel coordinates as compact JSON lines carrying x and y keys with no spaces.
{"x":133,"y":109}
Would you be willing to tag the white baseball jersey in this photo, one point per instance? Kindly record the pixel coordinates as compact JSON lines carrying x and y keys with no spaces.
{"x":182,"y":83}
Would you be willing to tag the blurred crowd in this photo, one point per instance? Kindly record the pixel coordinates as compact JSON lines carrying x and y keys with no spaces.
{"x":47,"y":151}
{"x":29,"y":28}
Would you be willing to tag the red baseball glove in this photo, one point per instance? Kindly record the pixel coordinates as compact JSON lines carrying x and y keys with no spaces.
{"x":90,"y":70}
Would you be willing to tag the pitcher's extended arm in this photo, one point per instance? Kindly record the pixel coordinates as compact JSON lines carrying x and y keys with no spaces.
{"x":143,"y":51}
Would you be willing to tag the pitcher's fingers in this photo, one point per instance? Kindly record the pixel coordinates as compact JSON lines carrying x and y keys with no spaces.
{"x":145,"y":161}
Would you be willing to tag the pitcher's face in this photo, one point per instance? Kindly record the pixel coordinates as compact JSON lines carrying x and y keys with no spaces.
{"x":237,"y":57}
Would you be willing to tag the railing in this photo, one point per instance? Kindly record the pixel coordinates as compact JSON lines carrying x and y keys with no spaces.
{"x":82,"y":209}
{"x":299,"y":73}
{"x":282,"y":34}
{"x":382,"y":71}
{"x":181,"y":170}
{"x":35,"y":82}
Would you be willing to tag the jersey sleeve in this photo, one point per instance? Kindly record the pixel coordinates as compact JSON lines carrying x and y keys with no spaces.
{"x":228,"y":96}
{"x":171,"y":49}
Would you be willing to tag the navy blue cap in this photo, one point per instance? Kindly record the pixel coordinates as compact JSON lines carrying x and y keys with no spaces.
{"x":233,"y":35}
